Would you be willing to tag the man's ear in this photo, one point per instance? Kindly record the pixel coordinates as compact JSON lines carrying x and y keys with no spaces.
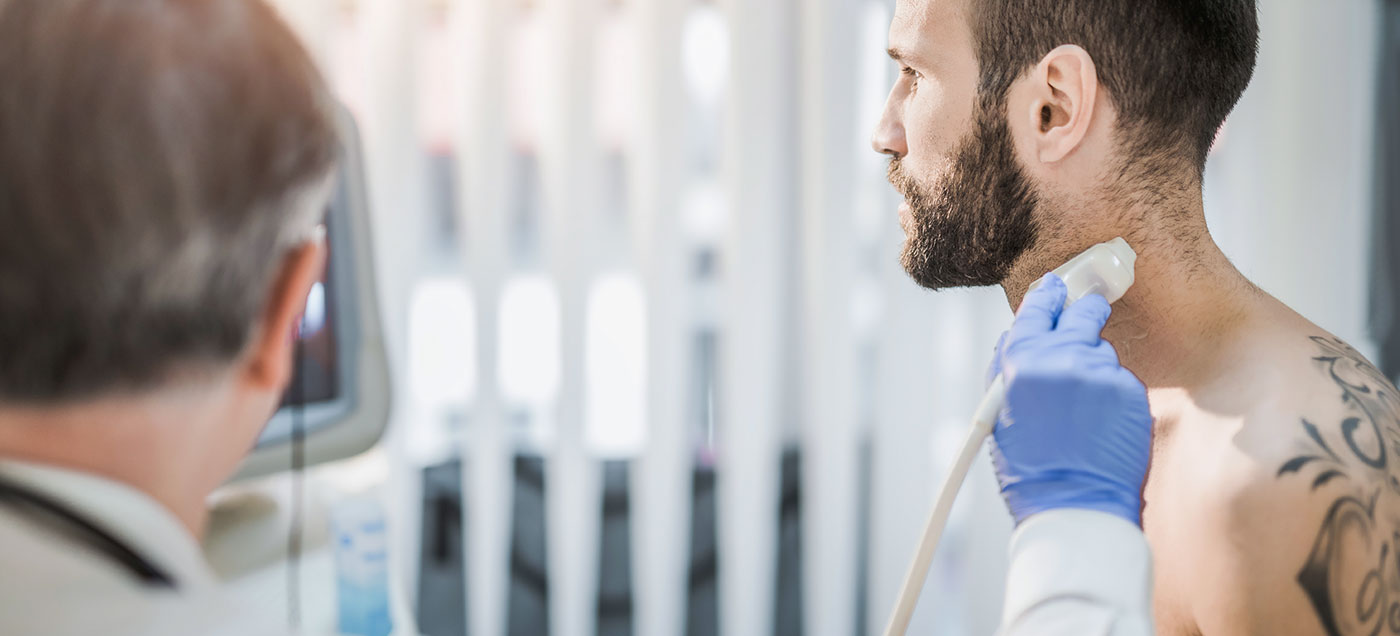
{"x":269,"y":362}
{"x":1063,"y":93}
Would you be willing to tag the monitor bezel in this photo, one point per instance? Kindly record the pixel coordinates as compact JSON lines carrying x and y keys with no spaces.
{"x":354,"y":420}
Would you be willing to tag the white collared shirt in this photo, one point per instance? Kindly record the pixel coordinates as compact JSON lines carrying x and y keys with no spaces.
{"x":1079,"y":573}
{"x":53,"y":584}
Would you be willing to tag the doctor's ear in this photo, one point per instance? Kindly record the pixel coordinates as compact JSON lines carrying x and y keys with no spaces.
{"x":270,"y":363}
{"x":1062,"y":96}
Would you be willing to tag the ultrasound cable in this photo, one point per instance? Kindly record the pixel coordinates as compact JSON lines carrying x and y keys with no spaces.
{"x":298,"y":463}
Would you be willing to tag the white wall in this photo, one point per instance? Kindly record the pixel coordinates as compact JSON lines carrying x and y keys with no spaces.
{"x":1289,"y":192}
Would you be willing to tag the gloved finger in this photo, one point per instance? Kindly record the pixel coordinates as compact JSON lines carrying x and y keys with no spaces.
{"x":1084,"y":320}
{"x":999,"y":462}
{"x":1040,"y":309}
{"x":994,"y":368}
{"x":1103,"y":355}
{"x":1106,"y":352}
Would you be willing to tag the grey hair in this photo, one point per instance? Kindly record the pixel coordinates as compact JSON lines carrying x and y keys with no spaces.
{"x":158,"y":158}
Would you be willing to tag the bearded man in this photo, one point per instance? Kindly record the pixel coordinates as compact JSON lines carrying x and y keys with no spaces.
{"x":1024,"y":131}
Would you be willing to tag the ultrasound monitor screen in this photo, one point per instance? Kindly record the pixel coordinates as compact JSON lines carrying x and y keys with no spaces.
{"x":316,"y":372}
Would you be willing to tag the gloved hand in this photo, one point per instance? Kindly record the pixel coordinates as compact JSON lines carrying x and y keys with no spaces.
{"x":1076,"y":431}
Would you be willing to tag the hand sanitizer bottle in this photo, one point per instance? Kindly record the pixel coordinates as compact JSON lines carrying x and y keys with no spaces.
{"x":362,"y":567}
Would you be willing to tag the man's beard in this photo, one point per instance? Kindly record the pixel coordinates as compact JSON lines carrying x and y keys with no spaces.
{"x":970,"y":226}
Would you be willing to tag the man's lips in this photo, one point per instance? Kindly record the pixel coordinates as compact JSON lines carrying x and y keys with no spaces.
{"x":906,"y":216}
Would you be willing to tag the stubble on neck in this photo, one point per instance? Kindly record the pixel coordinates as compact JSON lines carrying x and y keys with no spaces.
{"x":1186,"y":304}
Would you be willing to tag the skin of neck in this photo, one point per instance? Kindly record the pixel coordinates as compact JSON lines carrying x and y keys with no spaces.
{"x":175,"y":445}
{"x":1187,"y":301}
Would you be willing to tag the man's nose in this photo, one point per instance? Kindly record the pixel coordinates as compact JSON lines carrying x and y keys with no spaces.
{"x":889,"y":133}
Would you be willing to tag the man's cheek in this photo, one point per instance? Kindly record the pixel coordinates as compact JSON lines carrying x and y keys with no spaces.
{"x":931,"y":156}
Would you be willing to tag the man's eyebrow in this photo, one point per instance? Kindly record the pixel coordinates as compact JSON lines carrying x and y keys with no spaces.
{"x":902,"y":56}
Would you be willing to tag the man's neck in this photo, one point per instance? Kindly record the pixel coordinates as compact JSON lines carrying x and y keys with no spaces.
{"x":1186,"y":302}
{"x":146,"y":444}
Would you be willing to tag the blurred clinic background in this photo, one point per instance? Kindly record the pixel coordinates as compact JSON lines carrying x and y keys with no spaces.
{"x":655,"y":366}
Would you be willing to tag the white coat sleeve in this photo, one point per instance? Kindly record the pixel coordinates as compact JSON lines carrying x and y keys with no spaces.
{"x":1081,"y":573}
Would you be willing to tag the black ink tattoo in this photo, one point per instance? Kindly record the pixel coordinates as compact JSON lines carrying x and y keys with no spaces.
{"x":1352,"y":574}
{"x":1333,"y":463}
{"x":1350,"y":525}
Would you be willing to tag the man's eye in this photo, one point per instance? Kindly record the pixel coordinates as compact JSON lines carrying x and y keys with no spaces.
{"x":909,"y":71}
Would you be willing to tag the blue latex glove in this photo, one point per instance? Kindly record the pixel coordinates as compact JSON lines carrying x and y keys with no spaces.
{"x":1076,"y":431}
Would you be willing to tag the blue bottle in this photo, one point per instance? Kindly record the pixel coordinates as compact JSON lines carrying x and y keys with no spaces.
{"x":362,"y":568}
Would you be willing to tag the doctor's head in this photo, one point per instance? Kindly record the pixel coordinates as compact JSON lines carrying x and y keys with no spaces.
{"x":164,"y":165}
{"x":1023,"y":131}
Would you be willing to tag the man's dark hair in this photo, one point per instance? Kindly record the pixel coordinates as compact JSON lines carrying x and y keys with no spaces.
{"x":1173,"y":68}
{"x":155,"y":162}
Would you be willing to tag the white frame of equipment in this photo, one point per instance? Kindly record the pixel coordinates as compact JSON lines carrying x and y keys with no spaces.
{"x":355,"y":419}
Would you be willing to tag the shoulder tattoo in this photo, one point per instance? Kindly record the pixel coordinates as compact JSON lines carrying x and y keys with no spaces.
{"x":1352,"y":574}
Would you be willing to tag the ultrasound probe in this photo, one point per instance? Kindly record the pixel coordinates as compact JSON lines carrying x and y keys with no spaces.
{"x":1105,"y":269}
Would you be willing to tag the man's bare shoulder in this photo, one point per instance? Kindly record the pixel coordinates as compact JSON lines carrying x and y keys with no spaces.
{"x":1344,"y":473}
{"x":1307,"y":498}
